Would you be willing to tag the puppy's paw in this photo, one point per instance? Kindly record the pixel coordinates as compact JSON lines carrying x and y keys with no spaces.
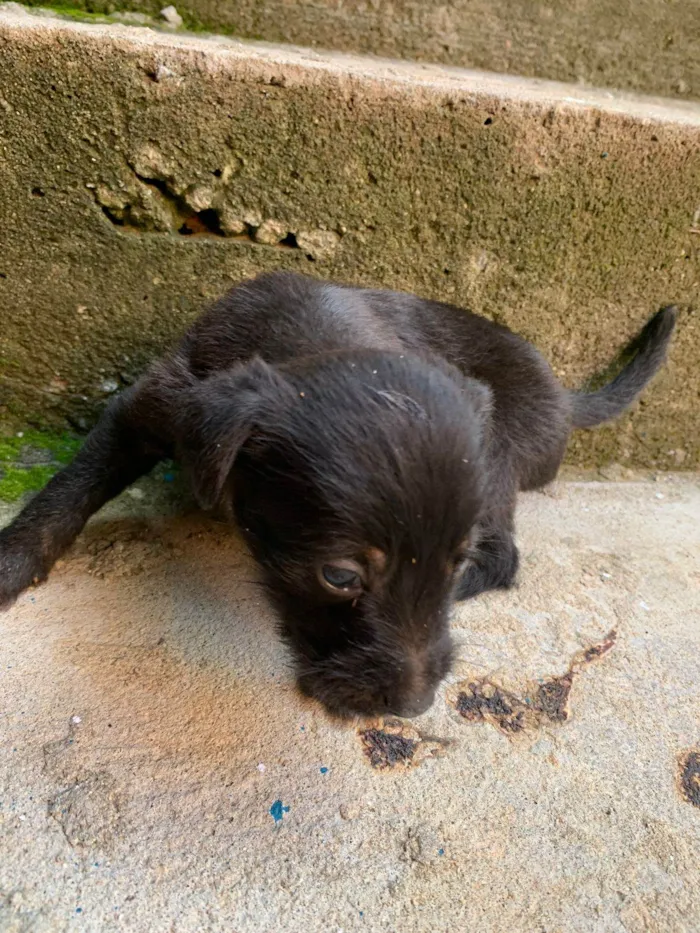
{"x":21,"y":564}
{"x":492,"y":570}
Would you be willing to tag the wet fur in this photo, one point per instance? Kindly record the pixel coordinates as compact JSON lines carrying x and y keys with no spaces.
{"x":331,"y":421}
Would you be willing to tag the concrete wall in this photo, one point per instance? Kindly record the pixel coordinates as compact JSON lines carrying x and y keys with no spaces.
{"x":142,"y":174}
{"x":639,"y":45}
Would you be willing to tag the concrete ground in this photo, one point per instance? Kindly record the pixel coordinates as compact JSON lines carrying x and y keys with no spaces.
{"x":159,"y":772}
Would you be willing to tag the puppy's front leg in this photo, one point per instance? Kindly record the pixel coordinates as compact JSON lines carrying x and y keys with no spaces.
{"x":495,"y":562}
{"x":115,"y":454}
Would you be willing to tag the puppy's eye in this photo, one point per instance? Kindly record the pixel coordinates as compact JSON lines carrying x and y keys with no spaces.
{"x":342,"y":577}
{"x":463,"y":553}
{"x":339,"y":577}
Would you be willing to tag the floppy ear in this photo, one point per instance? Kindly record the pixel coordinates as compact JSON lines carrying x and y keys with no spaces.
{"x":216,"y":417}
{"x":477,"y":395}
{"x":480,"y":399}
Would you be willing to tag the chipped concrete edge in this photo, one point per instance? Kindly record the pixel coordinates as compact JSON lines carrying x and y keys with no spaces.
{"x":448,"y":79}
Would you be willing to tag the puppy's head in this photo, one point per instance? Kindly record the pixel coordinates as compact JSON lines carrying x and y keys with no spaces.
{"x":357,"y":478}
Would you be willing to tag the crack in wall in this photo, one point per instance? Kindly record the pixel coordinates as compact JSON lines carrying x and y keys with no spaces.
{"x":186,"y":221}
{"x":151,"y":200}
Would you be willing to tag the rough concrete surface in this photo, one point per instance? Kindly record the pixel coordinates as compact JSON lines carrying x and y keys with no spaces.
{"x":638,"y":45}
{"x":159,"y":771}
{"x":144,"y":173}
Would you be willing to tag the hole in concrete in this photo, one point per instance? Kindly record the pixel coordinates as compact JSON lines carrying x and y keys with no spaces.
{"x":290,"y":240}
{"x":488,"y":121}
{"x":38,"y":192}
{"x":116,"y":220}
{"x":206,"y":221}
{"x":192,"y":226}
{"x":188,"y":222}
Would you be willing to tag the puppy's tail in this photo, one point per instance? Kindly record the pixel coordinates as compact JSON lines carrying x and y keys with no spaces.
{"x":647,"y":351}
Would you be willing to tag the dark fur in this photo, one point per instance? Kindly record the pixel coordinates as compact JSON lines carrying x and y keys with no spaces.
{"x":343,"y":423}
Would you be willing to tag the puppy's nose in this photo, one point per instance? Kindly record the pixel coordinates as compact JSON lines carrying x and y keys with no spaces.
{"x":414,"y":706}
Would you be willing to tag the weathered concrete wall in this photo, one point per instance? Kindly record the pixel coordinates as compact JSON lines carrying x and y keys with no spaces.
{"x":142,"y":174}
{"x":639,"y":45}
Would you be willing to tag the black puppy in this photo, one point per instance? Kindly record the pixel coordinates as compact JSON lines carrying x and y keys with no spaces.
{"x":370,"y":444}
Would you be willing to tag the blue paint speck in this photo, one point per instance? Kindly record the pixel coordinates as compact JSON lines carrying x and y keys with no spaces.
{"x":78,"y":910}
{"x":362,"y":913}
{"x":323,"y":770}
{"x":277,"y":811}
{"x":301,"y":729}
{"x":441,"y":851}
{"x":168,"y":477}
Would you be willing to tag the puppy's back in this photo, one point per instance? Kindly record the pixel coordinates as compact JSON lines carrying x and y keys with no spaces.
{"x":281,"y":316}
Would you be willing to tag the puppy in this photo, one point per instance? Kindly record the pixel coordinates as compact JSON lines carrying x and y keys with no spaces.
{"x":370,"y":444}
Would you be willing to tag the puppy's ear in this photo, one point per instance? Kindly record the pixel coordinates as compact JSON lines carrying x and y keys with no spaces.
{"x":218,"y":415}
{"x":479,"y":398}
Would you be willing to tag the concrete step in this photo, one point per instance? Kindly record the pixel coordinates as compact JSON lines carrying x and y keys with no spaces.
{"x":648,"y":46}
{"x":159,"y":770}
{"x":142,"y":173}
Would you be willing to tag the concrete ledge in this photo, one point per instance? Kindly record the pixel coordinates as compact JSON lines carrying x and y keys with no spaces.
{"x":143,"y":173}
{"x":639,"y":45}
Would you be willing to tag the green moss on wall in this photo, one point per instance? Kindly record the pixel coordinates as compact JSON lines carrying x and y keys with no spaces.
{"x":84,"y":14}
{"x":29,"y":459}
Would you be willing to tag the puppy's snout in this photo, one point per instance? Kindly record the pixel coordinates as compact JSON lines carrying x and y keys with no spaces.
{"x":422,"y":670}
{"x":414,"y":705}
